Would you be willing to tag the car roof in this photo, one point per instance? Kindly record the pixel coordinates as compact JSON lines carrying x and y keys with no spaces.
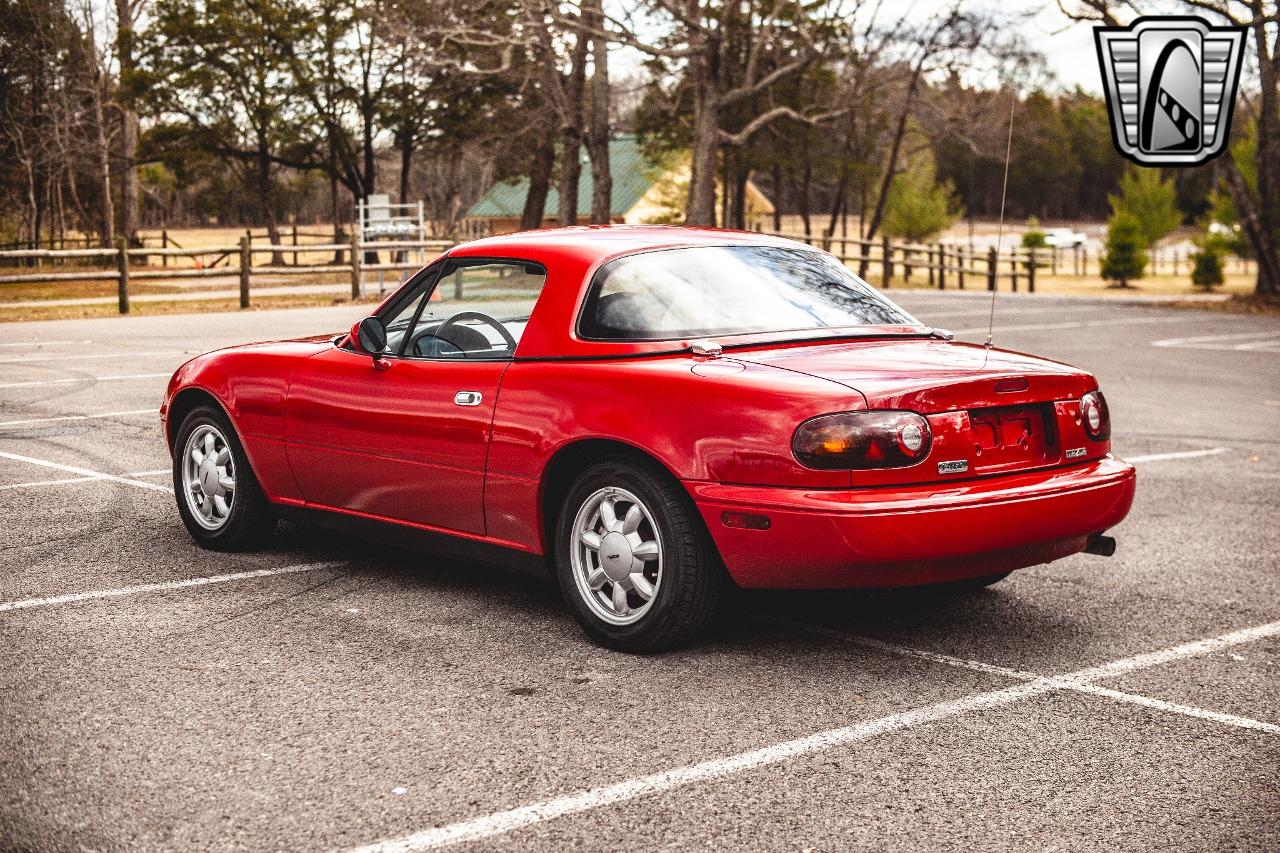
{"x":571,"y":255}
{"x":597,"y":242}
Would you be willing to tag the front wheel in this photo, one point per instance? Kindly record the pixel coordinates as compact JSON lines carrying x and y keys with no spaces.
{"x":634,"y":562}
{"x":218,"y":497}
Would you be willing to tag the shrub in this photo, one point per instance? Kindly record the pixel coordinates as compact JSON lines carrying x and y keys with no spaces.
{"x":1033,"y":237}
{"x":1208,"y":259}
{"x":1152,"y":201}
{"x":1206,"y":271}
{"x":919,"y":207}
{"x":1125,"y":255}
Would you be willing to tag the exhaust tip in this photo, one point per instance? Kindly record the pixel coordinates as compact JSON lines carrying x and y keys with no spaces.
{"x":1103,"y":546}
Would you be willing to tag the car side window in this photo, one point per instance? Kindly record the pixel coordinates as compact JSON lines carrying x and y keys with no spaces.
{"x":476,"y":310}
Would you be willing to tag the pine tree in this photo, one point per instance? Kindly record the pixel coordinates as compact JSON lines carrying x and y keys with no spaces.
{"x":1126,"y":255}
{"x":1151,"y":199}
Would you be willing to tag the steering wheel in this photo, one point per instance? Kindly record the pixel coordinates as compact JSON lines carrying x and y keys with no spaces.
{"x":483,"y":318}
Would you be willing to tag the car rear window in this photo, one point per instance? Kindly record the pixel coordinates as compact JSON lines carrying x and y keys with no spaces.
{"x":729,"y":290}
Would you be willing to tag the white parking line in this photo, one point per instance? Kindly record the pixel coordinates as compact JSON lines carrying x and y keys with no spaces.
{"x":90,"y":356}
{"x":114,"y":378}
{"x":85,"y":472}
{"x":129,"y":413}
{"x":1020,"y":675}
{"x":37,"y":483}
{"x":70,"y":480}
{"x":30,"y":344}
{"x":1181,"y":454}
{"x":500,"y":823}
{"x":1248,"y":341}
{"x":27,"y":603}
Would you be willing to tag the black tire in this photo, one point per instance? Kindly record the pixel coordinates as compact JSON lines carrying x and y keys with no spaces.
{"x":251,"y":519}
{"x":693,"y":578}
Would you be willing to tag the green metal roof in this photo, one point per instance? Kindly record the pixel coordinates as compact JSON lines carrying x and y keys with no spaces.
{"x":633,"y":175}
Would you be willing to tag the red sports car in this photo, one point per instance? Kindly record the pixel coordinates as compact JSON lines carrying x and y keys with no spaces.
{"x":649,"y":414}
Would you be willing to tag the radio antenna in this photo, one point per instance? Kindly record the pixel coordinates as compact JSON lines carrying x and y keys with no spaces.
{"x":1004,"y":192}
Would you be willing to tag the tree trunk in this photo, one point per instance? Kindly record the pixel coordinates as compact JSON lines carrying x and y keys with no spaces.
{"x":806,"y":184}
{"x":265,"y":197}
{"x":742,"y":174}
{"x":535,"y":203}
{"x":571,"y":133}
{"x":129,"y":124}
{"x":837,"y":205}
{"x":701,"y":206}
{"x":106,"y":212}
{"x":1266,"y":209}
{"x":727,"y":158}
{"x":777,"y":197}
{"x":599,"y":131}
{"x":406,"y":161}
{"x":338,"y":237}
{"x":891,"y":161}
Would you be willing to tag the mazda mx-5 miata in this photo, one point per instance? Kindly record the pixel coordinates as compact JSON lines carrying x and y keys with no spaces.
{"x":650,"y":414}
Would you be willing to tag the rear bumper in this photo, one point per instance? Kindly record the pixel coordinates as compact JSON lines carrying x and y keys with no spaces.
{"x":903,"y":536}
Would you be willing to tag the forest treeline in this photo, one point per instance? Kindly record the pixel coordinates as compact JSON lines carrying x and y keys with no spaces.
{"x":262,"y":112}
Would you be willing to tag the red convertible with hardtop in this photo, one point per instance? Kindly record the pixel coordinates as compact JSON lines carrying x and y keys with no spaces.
{"x":650,"y":414}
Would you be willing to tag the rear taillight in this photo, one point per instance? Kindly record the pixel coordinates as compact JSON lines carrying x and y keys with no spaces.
{"x":1094,"y":416}
{"x":862,"y":440}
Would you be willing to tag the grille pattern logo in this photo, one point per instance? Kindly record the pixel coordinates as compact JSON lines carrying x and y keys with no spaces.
{"x":1171,"y":86}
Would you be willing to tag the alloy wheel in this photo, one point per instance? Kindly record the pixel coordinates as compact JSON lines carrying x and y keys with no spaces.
{"x":616,"y":555}
{"x":208,"y":477}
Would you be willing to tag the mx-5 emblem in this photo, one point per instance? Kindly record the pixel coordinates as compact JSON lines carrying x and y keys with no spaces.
{"x":1170,"y":85}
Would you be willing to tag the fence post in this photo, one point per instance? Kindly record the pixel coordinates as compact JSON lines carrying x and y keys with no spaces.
{"x":992,"y":272}
{"x":295,"y":242}
{"x":929,"y":255}
{"x":355,"y":262}
{"x":886,"y":261}
{"x":1031,"y":272}
{"x":960,"y":262}
{"x":246,"y":265}
{"x":164,"y":244}
{"x":942,"y":267}
{"x":1013,"y":269}
{"x":122,"y":269}
{"x":906,"y":263}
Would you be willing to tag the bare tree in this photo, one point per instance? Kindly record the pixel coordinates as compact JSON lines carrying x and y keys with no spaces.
{"x":598,"y":133}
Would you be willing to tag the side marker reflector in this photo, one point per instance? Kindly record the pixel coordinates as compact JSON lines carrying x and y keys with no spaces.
{"x":745,"y":520}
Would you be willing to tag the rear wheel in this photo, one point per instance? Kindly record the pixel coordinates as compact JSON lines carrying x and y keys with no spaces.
{"x":635,"y":564}
{"x":218,"y":497}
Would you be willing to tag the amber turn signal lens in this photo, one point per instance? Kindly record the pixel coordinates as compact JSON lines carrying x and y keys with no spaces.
{"x":861,"y":440}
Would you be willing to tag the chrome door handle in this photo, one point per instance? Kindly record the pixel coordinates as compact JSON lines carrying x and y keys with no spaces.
{"x":467,"y":398}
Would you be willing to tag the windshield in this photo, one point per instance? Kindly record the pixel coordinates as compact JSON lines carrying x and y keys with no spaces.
{"x":729,"y":290}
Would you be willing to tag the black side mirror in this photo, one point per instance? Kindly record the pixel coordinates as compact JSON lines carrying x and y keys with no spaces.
{"x":370,"y":336}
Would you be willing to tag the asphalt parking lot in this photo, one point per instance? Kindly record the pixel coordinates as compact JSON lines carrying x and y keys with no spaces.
{"x":329,"y":695}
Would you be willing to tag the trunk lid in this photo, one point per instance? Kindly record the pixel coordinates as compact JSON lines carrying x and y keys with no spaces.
{"x":989,"y":411}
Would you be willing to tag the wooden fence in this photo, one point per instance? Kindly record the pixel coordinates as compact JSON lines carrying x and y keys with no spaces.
{"x":124,"y":264}
{"x":944,"y":265}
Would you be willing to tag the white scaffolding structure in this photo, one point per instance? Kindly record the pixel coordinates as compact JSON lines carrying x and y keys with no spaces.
{"x":378,"y":220}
